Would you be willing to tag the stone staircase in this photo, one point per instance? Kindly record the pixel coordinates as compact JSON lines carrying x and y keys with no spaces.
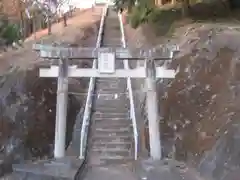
{"x":111,"y":135}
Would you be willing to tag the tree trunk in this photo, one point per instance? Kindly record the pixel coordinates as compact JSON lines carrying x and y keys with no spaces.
{"x":65,"y":19}
{"x":174,"y":2}
{"x":158,"y":2}
{"x":129,"y":8}
{"x":49,"y":25}
{"x":22,"y":28}
{"x":185,"y":7}
{"x":21,"y":13}
{"x":130,"y":5}
{"x":227,"y":5}
{"x":34,"y":20}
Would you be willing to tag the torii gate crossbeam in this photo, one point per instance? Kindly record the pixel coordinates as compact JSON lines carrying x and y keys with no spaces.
{"x":121,"y":73}
{"x":51,"y":52}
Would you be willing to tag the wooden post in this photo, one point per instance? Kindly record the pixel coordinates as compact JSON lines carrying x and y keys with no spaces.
{"x":65,"y":20}
{"x":152,"y":109}
{"x":34,"y":25}
{"x":49,"y":25}
{"x":158,"y":2}
{"x":61,"y":109}
{"x":174,"y":2}
{"x":185,"y":7}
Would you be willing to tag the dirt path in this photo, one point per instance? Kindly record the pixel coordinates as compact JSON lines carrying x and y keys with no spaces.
{"x":75,"y":32}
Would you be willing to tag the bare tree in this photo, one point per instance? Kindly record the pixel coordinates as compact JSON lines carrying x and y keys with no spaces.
{"x":48,"y":8}
{"x":185,"y":7}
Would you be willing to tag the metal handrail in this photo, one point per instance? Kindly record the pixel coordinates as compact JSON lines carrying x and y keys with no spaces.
{"x":129,"y":87}
{"x":88,"y":106}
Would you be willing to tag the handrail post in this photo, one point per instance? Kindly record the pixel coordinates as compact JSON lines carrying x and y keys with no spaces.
{"x":61,"y":109}
{"x":129,"y":87}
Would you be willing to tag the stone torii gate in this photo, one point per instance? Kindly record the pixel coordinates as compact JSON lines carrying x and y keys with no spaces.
{"x":106,"y":58}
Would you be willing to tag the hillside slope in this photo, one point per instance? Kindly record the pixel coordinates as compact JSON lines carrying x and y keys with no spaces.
{"x":201,"y":105}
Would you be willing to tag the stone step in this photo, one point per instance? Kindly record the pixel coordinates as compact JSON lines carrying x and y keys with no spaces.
{"x":110,"y":110}
{"x":111,"y":91}
{"x":104,"y":155}
{"x":114,"y":37}
{"x":112,"y":152}
{"x":110,"y":157}
{"x":107,"y":144}
{"x":112,"y":124}
{"x":112,"y":119}
{"x":108,"y":160}
{"x":114,"y":106}
{"x":96,"y":141}
{"x":111,"y":79}
{"x":112,"y":24}
{"x":51,"y":169}
{"x":112,"y":17}
{"x":112,"y":134}
{"x":114,"y":87}
{"x":112,"y":30}
{"x":108,"y":102}
{"x":104,"y":138}
{"x":112,"y":42}
{"x":110,"y":115}
{"x":112,"y":162}
{"x":109,"y":44}
{"x":111,"y":103}
{"x":109,"y":40}
{"x":111,"y":96}
{"x":101,"y":103}
{"x":113,"y":34}
{"x":103,"y":80}
{"x":110,"y":85}
{"x":112,"y":130}
{"x":113,"y":159}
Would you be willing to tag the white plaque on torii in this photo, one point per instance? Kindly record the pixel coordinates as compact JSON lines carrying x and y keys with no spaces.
{"x":106,"y":62}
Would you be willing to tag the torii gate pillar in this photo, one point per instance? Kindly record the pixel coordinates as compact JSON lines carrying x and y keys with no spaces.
{"x":152,"y":110}
{"x":61,"y":109}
